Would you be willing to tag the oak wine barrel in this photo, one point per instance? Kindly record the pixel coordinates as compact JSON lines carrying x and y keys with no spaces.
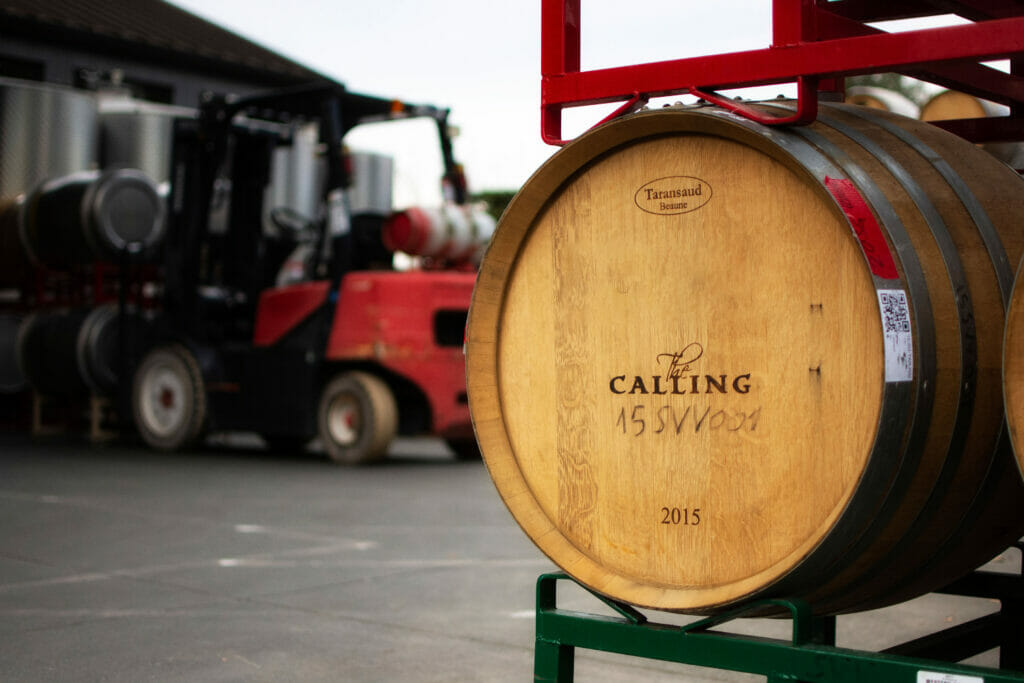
{"x":710,"y":361}
{"x":72,"y":352}
{"x":46,"y":351}
{"x":91,"y":215}
{"x":107,"y":344}
{"x":882,"y":98}
{"x":952,"y":104}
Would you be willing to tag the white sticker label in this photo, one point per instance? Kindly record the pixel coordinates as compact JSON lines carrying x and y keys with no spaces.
{"x":899,"y":342}
{"x":933,"y":677}
{"x":337,"y":214}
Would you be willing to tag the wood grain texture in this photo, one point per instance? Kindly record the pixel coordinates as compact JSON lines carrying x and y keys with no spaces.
{"x":962,"y":509}
{"x":1013,"y":368}
{"x":953,"y":105}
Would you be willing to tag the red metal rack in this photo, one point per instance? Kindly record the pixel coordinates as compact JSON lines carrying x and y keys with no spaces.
{"x":815,"y":43}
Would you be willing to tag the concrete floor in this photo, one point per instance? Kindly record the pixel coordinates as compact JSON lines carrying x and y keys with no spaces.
{"x":240,"y":564}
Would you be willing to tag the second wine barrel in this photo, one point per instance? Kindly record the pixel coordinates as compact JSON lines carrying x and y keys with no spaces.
{"x":91,"y":215}
{"x":72,"y":352}
{"x":46,"y":354}
{"x":711,"y":361}
{"x":952,"y":104}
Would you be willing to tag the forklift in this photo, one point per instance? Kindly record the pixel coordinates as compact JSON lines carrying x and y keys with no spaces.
{"x":306,"y":330}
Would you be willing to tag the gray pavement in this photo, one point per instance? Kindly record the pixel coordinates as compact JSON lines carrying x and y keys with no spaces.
{"x":240,"y":564}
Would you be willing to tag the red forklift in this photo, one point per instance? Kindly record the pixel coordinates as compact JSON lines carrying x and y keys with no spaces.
{"x":346,"y":348}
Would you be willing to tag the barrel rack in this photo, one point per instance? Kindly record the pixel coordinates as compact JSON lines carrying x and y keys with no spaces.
{"x":816,"y":44}
{"x":810,"y":656}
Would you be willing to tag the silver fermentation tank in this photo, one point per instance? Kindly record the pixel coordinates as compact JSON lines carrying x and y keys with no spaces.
{"x":45,"y":131}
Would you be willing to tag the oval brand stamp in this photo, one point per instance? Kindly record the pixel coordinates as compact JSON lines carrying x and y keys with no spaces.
{"x":673,"y":195}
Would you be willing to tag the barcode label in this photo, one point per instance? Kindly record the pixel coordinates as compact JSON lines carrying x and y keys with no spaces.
{"x":899,"y":340}
{"x":933,"y":677}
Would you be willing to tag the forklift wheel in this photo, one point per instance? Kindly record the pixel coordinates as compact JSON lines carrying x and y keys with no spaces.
{"x":357,"y":418}
{"x":169,"y":398}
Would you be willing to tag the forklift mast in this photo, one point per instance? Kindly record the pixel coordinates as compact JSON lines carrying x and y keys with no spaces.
{"x":215,"y":252}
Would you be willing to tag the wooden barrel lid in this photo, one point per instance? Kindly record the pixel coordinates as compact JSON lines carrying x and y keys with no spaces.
{"x":951,"y":104}
{"x":883,"y":99}
{"x":676,"y":362}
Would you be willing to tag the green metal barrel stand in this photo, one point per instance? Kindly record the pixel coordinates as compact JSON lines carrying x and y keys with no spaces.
{"x":810,"y":656}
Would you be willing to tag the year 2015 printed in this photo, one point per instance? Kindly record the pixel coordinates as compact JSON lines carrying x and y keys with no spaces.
{"x":680,"y":516}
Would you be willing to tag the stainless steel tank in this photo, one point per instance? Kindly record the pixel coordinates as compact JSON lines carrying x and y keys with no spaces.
{"x":138,"y":135}
{"x":372,"y":176}
{"x":296,"y":175}
{"x":45,"y":131}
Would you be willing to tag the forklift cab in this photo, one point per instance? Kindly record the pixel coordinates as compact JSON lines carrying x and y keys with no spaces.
{"x":252,"y":285}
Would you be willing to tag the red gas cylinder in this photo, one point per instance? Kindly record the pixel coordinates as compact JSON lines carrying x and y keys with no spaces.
{"x":455,"y":233}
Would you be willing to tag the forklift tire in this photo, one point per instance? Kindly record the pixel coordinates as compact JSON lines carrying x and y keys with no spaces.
{"x":169,"y":398}
{"x":357,"y":419}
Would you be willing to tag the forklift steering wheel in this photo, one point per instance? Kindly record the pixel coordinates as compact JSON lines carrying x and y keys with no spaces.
{"x":292,"y":223}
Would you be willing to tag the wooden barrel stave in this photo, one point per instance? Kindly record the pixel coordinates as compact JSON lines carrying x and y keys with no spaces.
{"x":935,"y":504}
{"x":976,"y":489}
{"x":935,"y":390}
{"x":1013,"y":368}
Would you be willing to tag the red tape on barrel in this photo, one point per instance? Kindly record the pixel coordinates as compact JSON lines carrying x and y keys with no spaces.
{"x":872,"y":241}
